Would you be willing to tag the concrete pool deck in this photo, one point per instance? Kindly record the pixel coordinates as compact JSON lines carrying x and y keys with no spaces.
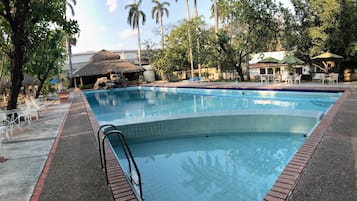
{"x":75,"y":173}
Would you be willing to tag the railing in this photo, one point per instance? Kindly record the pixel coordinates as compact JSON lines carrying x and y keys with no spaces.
{"x":135,"y":176}
{"x":98,"y":140}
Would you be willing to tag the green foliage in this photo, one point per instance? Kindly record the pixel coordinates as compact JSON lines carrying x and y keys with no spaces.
{"x":20,"y":23}
{"x":322,"y":25}
{"x":248,"y":26}
{"x":135,"y":14}
{"x":175,"y":56}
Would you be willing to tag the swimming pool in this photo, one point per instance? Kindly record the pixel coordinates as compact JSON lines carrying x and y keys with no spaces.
{"x":210,"y":144}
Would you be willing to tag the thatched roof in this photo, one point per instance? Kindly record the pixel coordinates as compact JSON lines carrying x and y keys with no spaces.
{"x":103,"y":55}
{"x":105,"y":62}
{"x":28,"y":80}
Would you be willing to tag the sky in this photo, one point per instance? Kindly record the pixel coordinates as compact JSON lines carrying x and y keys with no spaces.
{"x":103,"y":23}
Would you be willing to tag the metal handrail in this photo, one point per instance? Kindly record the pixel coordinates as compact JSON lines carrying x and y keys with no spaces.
{"x":98,"y":140}
{"x":128,"y":155}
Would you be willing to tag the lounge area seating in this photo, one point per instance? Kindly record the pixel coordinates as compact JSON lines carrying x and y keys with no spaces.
{"x":297,"y":78}
{"x":319,"y":77}
{"x":332,"y":78}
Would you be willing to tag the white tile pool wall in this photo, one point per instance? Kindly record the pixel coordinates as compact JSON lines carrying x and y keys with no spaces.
{"x":219,"y":124}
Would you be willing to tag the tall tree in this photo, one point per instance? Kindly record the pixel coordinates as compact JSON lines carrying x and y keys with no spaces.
{"x":249,"y":27}
{"x":134,"y":17}
{"x":214,"y":11}
{"x":19,"y":19}
{"x":71,"y":4}
{"x":70,"y":40}
{"x":46,"y":54}
{"x":16,"y":14}
{"x":326,"y":23}
{"x":175,"y":56}
{"x":157,"y":12}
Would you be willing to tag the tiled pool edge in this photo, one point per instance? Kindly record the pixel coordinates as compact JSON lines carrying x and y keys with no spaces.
{"x":121,"y":189}
{"x":284,"y":185}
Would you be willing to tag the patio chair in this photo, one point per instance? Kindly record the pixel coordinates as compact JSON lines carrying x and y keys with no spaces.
{"x":297,"y":78}
{"x":26,"y":114}
{"x":333,"y":78}
{"x":9,"y":119}
{"x":319,"y":77}
{"x":290,"y":79}
{"x":277,"y":78}
{"x":31,"y":109}
{"x":4,"y":125}
{"x":263,"y":79}
{"x":38,"y":104}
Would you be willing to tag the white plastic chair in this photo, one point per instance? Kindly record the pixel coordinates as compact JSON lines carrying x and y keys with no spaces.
{"x":32,"y":109}
{"x":333,"y":78}
{"x":290,"y":79}
{"x":263,"y":79}
{"x":26,"y":114}
{"x":319,"y":77}
{"x":4,"y":125}
{"x":297,"y":78}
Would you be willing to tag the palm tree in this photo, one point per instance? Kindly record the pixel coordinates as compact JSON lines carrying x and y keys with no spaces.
{"x":215,"y":13}
{"x":70,"y":39}
{"x":134,"y":16}
{"x":71,"y":5}
{"x":195,"y":8}
{"x":157,"y":12}
{"x":189,"y":37}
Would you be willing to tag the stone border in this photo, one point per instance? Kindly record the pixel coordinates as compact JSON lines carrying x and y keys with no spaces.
{"x":287,"y":180}
{"x":118,"y":182}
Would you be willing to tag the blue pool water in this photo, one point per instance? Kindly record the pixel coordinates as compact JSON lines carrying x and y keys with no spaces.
{"x":120,"y":106}
{"x":183,"y":156}
{"x":222,"y":167}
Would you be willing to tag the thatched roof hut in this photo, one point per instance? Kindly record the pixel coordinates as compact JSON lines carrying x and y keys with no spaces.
{"x":104,"y":63}
{"x":28,"y":80}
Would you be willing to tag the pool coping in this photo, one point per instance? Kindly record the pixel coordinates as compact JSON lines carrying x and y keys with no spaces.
{"x":287,"y":180}
{"x":118,"y":183}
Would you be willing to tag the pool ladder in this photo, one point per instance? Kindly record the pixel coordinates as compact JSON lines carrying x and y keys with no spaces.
{"x":135,"y":177}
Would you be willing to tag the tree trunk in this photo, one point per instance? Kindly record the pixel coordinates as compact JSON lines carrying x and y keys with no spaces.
{"x":238,"y":67}
{"x":69,"y":47}
{"x":189,"y":39}
{"x":16,"y":62}
{"x":42,"y":80}
{"x":195,"y":8}
{"x":216,"y":31}
{"x":139,"y":46}
{"x":161,"y":30}
{"x":16,"y":18}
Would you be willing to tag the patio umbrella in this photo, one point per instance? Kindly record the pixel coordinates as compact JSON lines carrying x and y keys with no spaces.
{"x":324,"y":58}
{"x":327,"y":56}
{"x":269,"y":60}
{"x":291,"y":60}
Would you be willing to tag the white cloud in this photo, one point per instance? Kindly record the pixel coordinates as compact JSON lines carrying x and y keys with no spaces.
{"x":112,"y":4}
{"x":127,"y":34}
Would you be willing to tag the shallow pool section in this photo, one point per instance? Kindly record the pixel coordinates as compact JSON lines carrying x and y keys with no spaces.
{"x":228,"y":166}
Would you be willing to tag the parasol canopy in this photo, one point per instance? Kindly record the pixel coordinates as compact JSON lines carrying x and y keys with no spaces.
{"x":291,"y":60}
{"x":269,"y":60}
{"x":327,"y":56}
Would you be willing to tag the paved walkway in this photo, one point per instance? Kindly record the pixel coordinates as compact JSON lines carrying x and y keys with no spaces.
{"x":27,"y":152}
{"x":75,"y":174}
